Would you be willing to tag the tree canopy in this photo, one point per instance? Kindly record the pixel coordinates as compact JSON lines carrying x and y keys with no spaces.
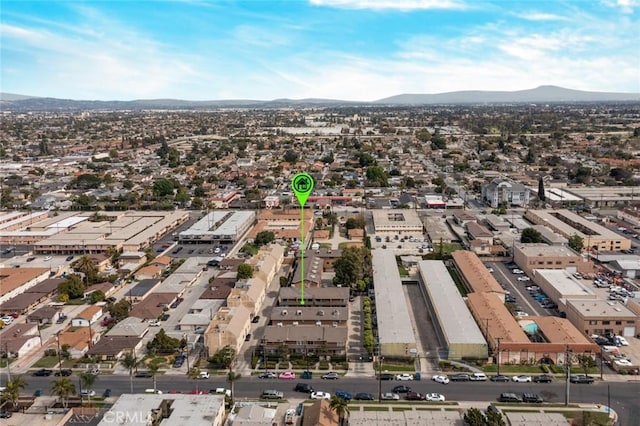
{"x":576,"y":243}
{"x":245,"y":271}
{"x":264,"y":237}
{"x":530,"y":235}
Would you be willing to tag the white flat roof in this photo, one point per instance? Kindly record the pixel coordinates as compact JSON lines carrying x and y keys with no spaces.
{"x":394,"y":323}
{"x":565,"y":283}
{"x":455,"y":319}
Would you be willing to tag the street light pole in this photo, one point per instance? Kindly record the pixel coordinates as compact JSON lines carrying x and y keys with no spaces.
{"x":380,"y":359}
{"x":59,"y":352}
{"x":499,"y":354}
{"x":568,"y":369}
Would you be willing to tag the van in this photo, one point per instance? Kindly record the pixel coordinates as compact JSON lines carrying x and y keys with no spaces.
{"x":531,"y":397}
{"x":478,"y":377}
{"x":156,"y":391}
{"x":509,"y":397}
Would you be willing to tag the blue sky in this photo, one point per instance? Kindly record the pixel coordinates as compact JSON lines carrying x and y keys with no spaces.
{"x":340,"y":49}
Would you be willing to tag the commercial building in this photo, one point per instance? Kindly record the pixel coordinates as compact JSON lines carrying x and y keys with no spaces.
{"x":397,"y":221}
{"x":285,"y":224}
{"x":567,"y":223}
{"x":542,"y":256}
{"x":606,"y":196}
{"x":560,"y":285}
{"x":451,"y":316}
{"x":599,"y":316}
{"x":395,"y":333}
{"x":166,"y":410}
{"x":219,"y":226}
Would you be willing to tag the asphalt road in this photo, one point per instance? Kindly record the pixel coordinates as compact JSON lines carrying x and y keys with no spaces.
{"x":624,"y":396}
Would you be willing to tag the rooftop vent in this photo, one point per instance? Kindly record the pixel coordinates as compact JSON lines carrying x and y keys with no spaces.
{"x":321,"y":312}
{"x":284,"y":312}
{"x":298,"y":312}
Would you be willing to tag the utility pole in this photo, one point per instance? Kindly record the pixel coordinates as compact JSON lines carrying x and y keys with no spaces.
{"x":567,"y":362}
{"x":6,"y":350}
{"x":59,"y":352}
{"x":499,"y":354}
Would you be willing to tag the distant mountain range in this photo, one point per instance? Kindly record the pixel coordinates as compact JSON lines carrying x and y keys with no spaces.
{"x":542,"y":94}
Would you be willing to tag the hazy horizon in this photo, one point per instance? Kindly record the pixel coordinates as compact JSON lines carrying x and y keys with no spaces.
{"x":356,"y":50}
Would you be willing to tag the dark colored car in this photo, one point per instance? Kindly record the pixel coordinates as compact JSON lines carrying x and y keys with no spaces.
{"x":68,"y":258}
{"x":255,"y":319}
{"x":460,"y":377}
{"x":401,"y":389}
{"x":38,"y":392}
{"x":5,"y":414}
{"x":363,"y":396}
{"x":64,"y":372}
{"x":581,"y":378}
{"x":165,"y":317}
{"x":386,"y":376}
{"x":532,"y":397}
{"x":144,"y":374}
{"x":178,"y":362}
{"x":543,"y":378}
{"x":414,"y":396}
{"x":303,"y":387}
{"x":43,"y":372}
{"x":31,"y":258}
{"x":509,"y":397}
{"x":107,"y":393}
{"x":499,"y":378}
{"x":344,"y":395}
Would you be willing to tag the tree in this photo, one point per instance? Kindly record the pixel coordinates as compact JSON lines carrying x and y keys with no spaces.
{"x":97,"y":296}
{"x":474,"y":417}
{"x":351,"y":266}
{"x":130,"y":361}
{"x":224,"y":357}
{"x":63,"y":388}
{"x":119,"y":310}
{"x":530,"y":235}
{"x":245,"y":271}
{"x":585,"y":362}
{"x":340,"y":406}
{"x":541,"y":195}
{"x":163,"y":343}
{"x":494,"y":418}
{"x":87,"y":379}
{"x":163,"y":187}
{"x":194,"y":374}
{"x":576,"y":243}
{"x":232,"y":377}
{"x":153,"y":368}
{"x":290,"y":156}
{"x":377,"y":175}
{"x":12,"y":390}
{"x":356,"y":222}
{"x":87,"y":266}
{"x":263,"y":238}
{"x":72,"y":287}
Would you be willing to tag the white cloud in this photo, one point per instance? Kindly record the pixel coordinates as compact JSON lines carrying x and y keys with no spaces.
{"x":402,"y":5}
{"x":625,"y":6}
{"x":539,"y":16}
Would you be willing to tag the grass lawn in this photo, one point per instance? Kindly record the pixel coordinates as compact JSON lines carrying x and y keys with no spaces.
{"x":374,"y":408}
{"x":76,"y":302}
{"x":513,"y":369}
{"x":403,"y":271}
{"x":401,"y":408}
{"x":595,"y":418}
{"x":46,"y":362}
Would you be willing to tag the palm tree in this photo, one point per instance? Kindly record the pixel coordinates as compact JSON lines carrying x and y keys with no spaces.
{"x":194,"y":374}
{"x":231,"y":378}
{"x":340,"y":406}
{"x":86,"y":265}
{"x":153,"y":368}
{"x":87,"y":379}
{"x":12,"y":390}
{"x":130,"y":361}
{"x":62,"y":388}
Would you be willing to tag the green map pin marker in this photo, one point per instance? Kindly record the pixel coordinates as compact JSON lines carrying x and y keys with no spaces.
{"x":302,"y":184}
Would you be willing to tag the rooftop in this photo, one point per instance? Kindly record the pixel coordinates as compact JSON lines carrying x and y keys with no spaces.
{"x":600,"y":308}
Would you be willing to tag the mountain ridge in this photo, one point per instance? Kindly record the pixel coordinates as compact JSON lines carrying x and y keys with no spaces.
{"x":544,"y":94}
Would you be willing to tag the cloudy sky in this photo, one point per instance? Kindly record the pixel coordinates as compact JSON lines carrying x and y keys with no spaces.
{"x":341,"y":49}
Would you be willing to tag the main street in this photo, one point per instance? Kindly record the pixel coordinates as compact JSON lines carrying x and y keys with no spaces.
{"x":624,"y":396}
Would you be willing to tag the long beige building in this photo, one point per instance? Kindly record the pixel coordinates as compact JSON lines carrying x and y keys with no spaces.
{"x":568,"y":223}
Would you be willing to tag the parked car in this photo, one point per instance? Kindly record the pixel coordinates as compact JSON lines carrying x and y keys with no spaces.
{"x":43,"y":372}
{"x":268,"y":375}
{"x":331,"y":375}
{"x":386,"y":376}
{"x":287,"y":375}
{"x":203,"y":375}
{"x":303,"y":387}
{"x":107,"y":393}
{"x":363,"y":396}
{"x":404,"y":376}
{"x":320,"y":395}
{"x":271,"y":394}
{"x":521,"y":379}
{"x":543,"y":378}
{"x":86,"y":392}
{"x":143,"y":374}
{"x":621,"y":341}
{"x":499,"y":378}
{"x":438,"y":378}
{"x":434,"y":397}
{"x":460,"y":377}
{"x":5,"y":414}
{"x":344,"y":395}
{"x":581,"y":378}
{"x":478,"y":377}
{"x":64,"y":372}
{"x":68,"y":258}
{"x":153,"y":323}
{"x":255,"y":319}
{"x":509,"y":397}
{"x":532,"y":397}
{"x":414,"y":396}
{"x":401,"y":389}
{"x":390,"y":396}
{"x":524,"y":278}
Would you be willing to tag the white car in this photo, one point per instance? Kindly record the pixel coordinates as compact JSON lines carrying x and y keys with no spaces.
{"x":7,"y":320}
{"x":621,"y":341}
{"x":521,"y":379}
{"x":320,"y":395}
{"x":524,"y":278}
{"x":404,"y":376}
{"x":48,"y":258}
{"x":390,"y":396}
{"x":434,"y":397}
{"x":517,"y":271}
{"x":440,"y":379}
{"x":85,"y":392}
{"x":203,"y":375}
